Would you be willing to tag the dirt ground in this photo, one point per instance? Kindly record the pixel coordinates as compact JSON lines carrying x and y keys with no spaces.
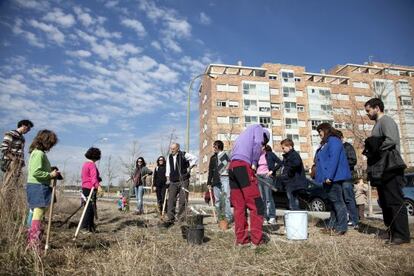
{"x":129,"y":244}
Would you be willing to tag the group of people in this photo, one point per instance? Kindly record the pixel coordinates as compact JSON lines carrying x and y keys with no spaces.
{"x":242,"y":179}
{"x":252,"y":167}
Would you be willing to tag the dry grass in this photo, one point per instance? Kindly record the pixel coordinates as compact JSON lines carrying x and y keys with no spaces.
{"x":133,"y":245}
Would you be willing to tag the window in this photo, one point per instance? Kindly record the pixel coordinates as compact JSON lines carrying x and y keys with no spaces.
{"x":289,"y":92}
{"x":360,"y":84}
{"x":300,"y":108}
{"x":221,"y":103}
{"x":250,"y":120}
{"x":265,"y":121}
{"x":339,"y":126}
{"x":326,"y":108}
{"x":227,"y":88}
{"x":272,"y":77}
{"x":325,"y":93}
{"x":250,"y":105}
{"x":275,"y":106}
{"x":293,"y":137}
{"x":264,"y":109}
{"x":290,"y":107}
{"x":406,"y":101}
{"x":404,"y":88}
{"x":233,"y":104}
{"x":274,"y":91}
{"x":291,"y":123}
{"x":316,"y":123}
{"x":297,"y":79}
{"x":288,"y":76}
{"x":261,"y":89}
{"x":234,"y":120}
{"x":276,"y":122}
{"x":222,"y":120}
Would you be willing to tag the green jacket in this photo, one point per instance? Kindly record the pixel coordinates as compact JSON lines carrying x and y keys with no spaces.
{"x":39,"y":168}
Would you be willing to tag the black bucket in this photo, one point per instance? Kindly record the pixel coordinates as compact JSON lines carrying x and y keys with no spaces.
{"x":195,"y":234}
{"x":194,"y":220}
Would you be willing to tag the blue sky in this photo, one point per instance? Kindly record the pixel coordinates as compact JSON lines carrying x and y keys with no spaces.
{"x":121,"y":69}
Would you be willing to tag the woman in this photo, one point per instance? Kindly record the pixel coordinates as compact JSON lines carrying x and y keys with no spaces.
{"x":90,"y":179}
{"x":38,"y":188}
{"x":141,"y":172}
{"x":267,"y":166}
{"x":159,"y":181}
{"x":361,"y":194}
{"x":332,"y":169}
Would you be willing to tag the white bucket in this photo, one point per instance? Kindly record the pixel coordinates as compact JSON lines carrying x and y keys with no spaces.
{"x":296,"y":223}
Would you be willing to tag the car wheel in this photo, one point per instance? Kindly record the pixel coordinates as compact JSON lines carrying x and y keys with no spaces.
{"x":317,"y":205}
{"x":410,"y":207}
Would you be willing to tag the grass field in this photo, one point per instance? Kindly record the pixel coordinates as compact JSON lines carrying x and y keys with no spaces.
{"x":128,"y":244}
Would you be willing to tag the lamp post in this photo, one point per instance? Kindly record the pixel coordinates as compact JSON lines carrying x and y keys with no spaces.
{"x":187,"y":146}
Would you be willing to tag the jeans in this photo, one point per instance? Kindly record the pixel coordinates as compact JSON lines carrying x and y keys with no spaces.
{"x":349,"y":198}
{"x":139,"y":193}
{"x":338,"y":219}
{"x":265,"y":182}
{"x":176,"y":190}
{"x":293,"y":200}
{"x":220,"y":193}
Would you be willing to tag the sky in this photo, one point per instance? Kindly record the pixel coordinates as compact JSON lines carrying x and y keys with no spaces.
{"x":108,"y":72}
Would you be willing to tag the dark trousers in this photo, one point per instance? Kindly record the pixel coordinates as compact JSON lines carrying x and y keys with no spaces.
{"x":160,"y":190}
{"x":349,"y":198}
{"x":361,"y":211}
{"x":88,"y":220}
{"x":338,"y":219}
{"x":393,"y":208}
{"x":245,"y":194}
{"x":175,"y":190}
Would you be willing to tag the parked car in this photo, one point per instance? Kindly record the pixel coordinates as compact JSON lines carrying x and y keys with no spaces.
{"x":408,"y":192}
{"x":313,"y":198}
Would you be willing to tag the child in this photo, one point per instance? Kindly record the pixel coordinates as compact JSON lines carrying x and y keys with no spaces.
{"x":119,"y":201}
{"x":39,"y":191}
{"x":90,"y":179}
{"x":361,"y":192}
{"x":293,"y":173}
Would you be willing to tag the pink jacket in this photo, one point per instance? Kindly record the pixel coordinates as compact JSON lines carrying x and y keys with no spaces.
{"x":90,"y":175}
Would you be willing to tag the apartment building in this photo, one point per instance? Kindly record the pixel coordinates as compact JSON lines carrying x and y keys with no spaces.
{"x":291,"y":102}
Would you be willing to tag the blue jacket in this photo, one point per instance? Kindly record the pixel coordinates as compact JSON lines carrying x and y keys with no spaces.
{"x":331,"y":162}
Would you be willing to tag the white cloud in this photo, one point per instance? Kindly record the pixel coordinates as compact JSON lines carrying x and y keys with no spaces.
{"x":111,"y":4}
{"x":204,"y":19}
{"x":83,"y":17}
{"x":164,"y":73}
{"x":178,"y":27}
{"x":33,"y":4}
{"x":102,"y":32}
{"x":171,"y":44}
{"x":156,"y":45}
{"x":79,"y":53}
{"x":141,"y":64}
{"x":30,"y":37}
{"x":135,"y":25}
{"x":57,"y":16}
{"x":51,"y":31}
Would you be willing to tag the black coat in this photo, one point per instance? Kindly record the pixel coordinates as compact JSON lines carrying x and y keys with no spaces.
{"x":382,"y":164}
{"x":213,"y":173}
{"x":273,"y":162}
{"x":293,"y":173}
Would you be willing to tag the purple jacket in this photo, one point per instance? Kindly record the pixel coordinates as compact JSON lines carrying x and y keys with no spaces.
{"x":248,"y":146}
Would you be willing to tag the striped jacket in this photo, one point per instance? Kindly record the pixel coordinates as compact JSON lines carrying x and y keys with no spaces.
{"x":13,"y":144}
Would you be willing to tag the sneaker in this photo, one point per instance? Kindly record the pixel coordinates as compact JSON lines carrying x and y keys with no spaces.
{"x":350,"y":223}
{"x":337,"y":233}
{"x":398,"y":241}
{"x":272,"y":221}
{"x":265,"y":222}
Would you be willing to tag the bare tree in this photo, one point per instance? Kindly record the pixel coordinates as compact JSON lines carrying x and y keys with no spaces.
{"x":128,"y":163}
{"x":109,"y":171}
{"x":164,"y":147}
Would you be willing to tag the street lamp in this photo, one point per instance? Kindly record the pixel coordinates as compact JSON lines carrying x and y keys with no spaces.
{"x":188,"y":106}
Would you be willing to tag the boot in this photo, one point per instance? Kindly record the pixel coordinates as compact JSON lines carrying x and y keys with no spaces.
{"x":35,"y":235}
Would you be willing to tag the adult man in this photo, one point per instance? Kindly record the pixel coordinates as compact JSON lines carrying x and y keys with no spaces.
{"x":218,"y":178}
{"x":179,"y":165}
{"x":389,"y":190}
{"x":12,"y":150}
{"x":244,"y":191}
{"x":348,"y":185}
